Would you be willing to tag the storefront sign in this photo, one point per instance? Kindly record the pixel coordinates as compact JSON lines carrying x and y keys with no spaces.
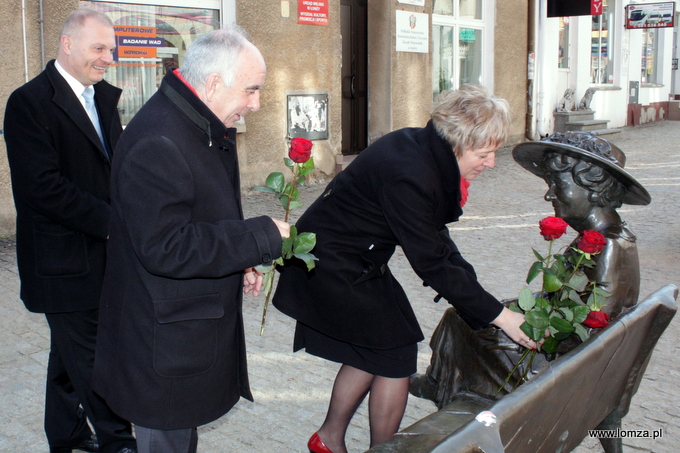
{"x":650,"y":15}
{"x":136,"y":42}
{"x":412,"y":32}
{"x":313,"y":12}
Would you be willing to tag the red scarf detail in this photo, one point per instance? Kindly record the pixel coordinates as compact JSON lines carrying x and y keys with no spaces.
{"x":179,"y":76}
{"x":464,"y":184}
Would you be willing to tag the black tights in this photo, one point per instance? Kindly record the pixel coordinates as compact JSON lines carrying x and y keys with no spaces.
{"x":386,"y":406}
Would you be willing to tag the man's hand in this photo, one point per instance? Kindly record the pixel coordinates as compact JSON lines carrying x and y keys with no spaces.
{"x":252,"y":281}
{"x":284,"y":228}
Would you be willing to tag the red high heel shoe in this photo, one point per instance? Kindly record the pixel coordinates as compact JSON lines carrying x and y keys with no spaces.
{"x":316,"y":445}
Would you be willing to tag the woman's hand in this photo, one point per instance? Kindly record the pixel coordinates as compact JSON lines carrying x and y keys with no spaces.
{"x":510,"y":321}
{"x":252,"y":281}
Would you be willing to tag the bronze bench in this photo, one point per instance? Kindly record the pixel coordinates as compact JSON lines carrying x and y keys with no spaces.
{"x":596,"y":383}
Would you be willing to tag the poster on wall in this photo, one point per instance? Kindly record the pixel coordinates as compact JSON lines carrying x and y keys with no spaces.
{"x":308,"y":116}
{"x":412,"y":32}
{"x":313,"y":12}
{"x":650,"y":15}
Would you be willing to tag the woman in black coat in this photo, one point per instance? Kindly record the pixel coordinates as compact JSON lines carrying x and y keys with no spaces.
{"x":402,"y":190}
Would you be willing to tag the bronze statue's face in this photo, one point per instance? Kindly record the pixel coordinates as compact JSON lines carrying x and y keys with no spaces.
{"x":569,"y":200}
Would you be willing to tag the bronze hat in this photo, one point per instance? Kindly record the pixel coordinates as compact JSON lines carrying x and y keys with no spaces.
{"x":588,"y":147}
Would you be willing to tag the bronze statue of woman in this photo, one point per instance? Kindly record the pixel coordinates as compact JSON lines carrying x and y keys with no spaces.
{"x":586,"y":184}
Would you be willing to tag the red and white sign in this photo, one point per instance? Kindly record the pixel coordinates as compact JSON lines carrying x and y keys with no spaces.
{"x":313,"y":12}
{"x":596,"y":7}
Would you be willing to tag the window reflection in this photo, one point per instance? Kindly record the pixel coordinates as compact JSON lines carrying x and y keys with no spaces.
{"x":150,"y":39}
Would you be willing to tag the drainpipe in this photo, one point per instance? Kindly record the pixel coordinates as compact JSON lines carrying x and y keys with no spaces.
{"x":531,"y":68}
{"x":42,"y":35}
{"x":23,"y":22}
{"x":542,"y":83}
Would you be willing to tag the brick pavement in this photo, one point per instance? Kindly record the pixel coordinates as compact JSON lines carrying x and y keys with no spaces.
{"x":291,"y":390}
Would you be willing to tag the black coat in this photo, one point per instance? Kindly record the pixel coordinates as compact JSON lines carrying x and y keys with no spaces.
{"x":60,"y":180}
{"x":402,"y":190}
{"x":171,"y":349}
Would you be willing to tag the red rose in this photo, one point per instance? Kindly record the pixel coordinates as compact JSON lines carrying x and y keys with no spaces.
{"x":552,"y":228}
{"x":591,"y":242}
{"x":300,"y":150}
{"x":596,"y":319}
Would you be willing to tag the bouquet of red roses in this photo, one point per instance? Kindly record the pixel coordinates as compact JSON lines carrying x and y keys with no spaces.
{"x":568,"y":302}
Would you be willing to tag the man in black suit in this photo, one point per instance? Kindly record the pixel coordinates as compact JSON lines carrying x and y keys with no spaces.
{"x":59,"y":156}
{"x":171,"y":346}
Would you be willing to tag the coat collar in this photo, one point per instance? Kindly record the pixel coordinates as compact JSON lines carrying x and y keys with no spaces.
{"x":185,"y":99}
{"x":446,"y":164}
{"x":107,"y":99}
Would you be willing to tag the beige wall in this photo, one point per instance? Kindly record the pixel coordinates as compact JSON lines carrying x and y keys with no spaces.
{"x":399,"y":86}
{"x":300,"y":59}
{"x":510,"y":61}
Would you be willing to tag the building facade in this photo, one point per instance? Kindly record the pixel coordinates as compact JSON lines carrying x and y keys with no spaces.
{"x":340,"y":72}
{"x":626,"y":54}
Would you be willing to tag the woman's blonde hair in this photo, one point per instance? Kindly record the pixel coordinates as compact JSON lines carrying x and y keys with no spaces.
{"x":471,"y":118}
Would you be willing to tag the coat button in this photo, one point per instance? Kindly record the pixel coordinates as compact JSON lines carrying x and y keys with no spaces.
{"x":266,"y":258}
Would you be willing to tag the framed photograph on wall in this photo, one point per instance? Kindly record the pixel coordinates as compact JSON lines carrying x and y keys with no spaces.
{"x":308,"y":116}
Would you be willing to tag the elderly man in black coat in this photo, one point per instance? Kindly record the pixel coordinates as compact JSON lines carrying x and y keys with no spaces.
{"x":59,"y":161}
{"x":171,"y":350}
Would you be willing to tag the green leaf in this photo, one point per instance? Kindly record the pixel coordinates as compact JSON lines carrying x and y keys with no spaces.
{"x":581,"y":331}
{"x":304,"y":243}
{"x":513,"y":306}
{"x":263,"y":189}
{"x":575,"y":297}
{"x":301,"y":180}
{"x":567,"y":313}
{"x":601,"y":292}
{"x":538,"y":319}
{"x":561,"y":324}
{"x":291,"y":191}
{"x":550,"y":345}
{"x":294,"y":204}
{"x":288,"y":162}
{"x":580,"y":313}
{"x":267,"y":282}
{"x":526,"y":300}
{"x":534,"y":334}
{"x":262,"y":268}
{"x":308,"y":258}
{"x":541,"y":303}
{"x":276,"y":181}
{"x":551,"y":282}
{"x":538,"y":255}
{"x":578,"y":281}
{"x":307,"y":168}
{"x":534,"y":270}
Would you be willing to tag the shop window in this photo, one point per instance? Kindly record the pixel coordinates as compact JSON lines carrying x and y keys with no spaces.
{"x":457,"y":36}
{"x":150,"y":39}
{"x":563,"y":55}
{"x":650,"y":42}
{"x":602,"y":50}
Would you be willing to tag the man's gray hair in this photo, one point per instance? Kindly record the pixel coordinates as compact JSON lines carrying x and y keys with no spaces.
{"x":76,"y":20}
{"x":215,"y":51}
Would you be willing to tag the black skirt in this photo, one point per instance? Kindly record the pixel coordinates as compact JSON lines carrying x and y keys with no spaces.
{"x":398,"y":362}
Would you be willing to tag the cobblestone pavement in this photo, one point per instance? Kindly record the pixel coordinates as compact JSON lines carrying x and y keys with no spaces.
{"x":496,"y":234}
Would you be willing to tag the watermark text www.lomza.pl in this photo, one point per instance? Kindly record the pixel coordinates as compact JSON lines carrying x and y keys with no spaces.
{"x":626,"y":433}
